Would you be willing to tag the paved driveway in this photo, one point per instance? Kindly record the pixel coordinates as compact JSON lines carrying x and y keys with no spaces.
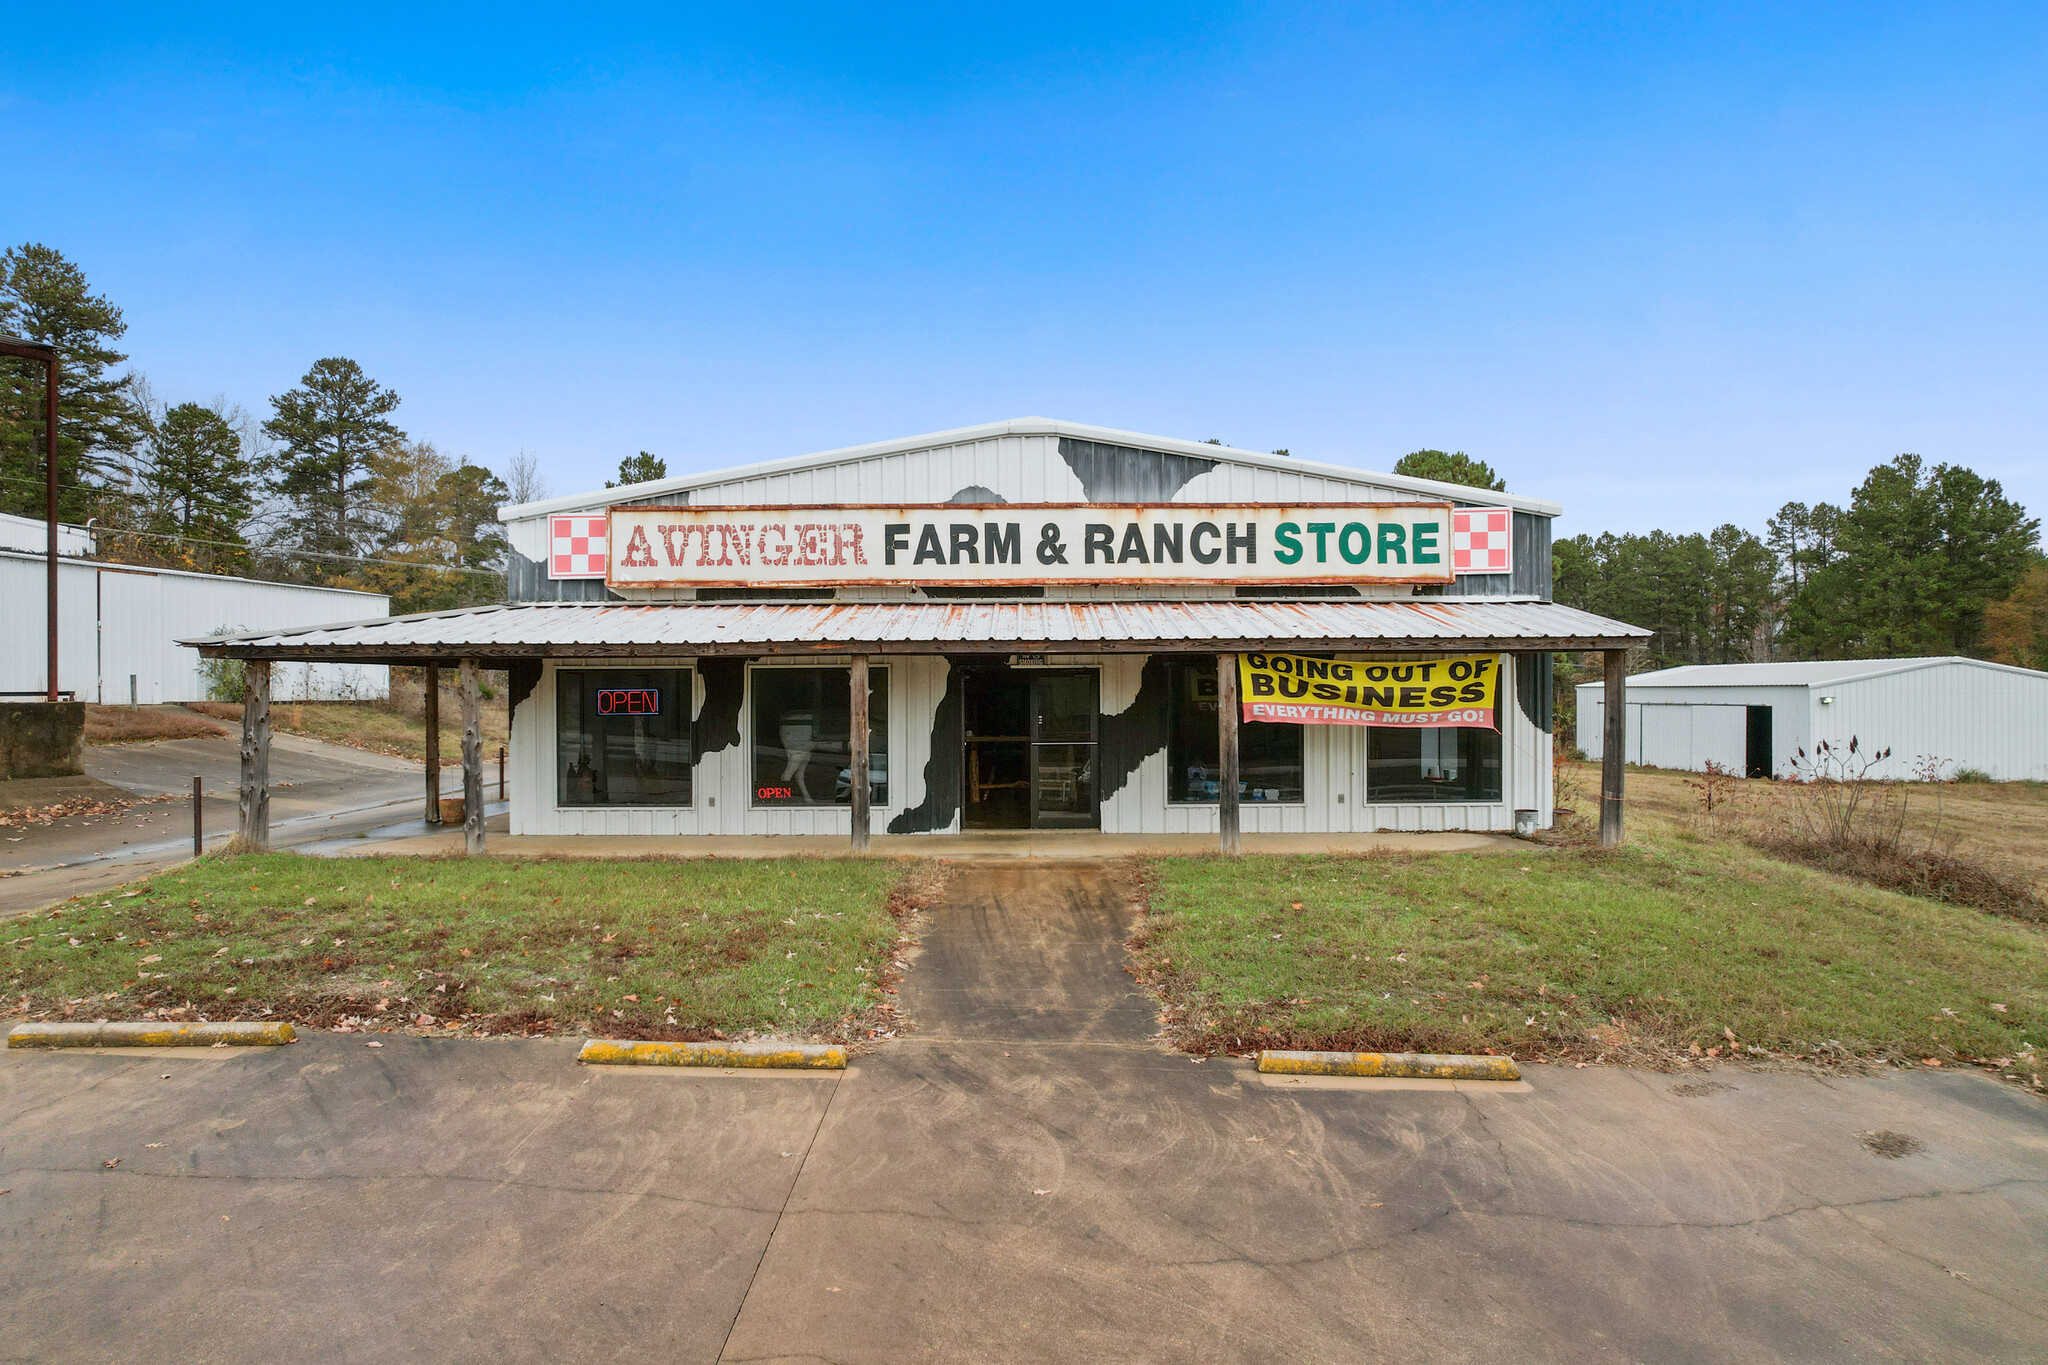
{"x":319,"y":792}
{"x":1030,"y":1178}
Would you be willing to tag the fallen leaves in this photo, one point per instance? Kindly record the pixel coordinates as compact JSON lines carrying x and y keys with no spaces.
{"x":60,"y":810}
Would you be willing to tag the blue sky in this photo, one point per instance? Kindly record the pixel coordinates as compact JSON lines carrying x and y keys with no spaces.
{"x":1669,"y":265}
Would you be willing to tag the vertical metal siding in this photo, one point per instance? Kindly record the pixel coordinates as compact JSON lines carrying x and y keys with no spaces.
{"x":722,"y":790}
{"x":114,"y":622}
{"x":1990,"y":719}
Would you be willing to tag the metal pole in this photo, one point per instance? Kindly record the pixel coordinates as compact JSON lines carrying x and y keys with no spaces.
{"x":501,"y":772}
{"x":198,"y":817}
{"x":1227,"y":813}
{"x":1613,"y":744}
{"x":50,"y":505}
{"x":857,"y":759}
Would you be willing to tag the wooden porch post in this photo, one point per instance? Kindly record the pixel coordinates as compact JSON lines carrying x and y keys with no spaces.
{"x":472,"y":761}
{"x":1226,"y":748}
{"x":255,"y":789}
{"x":433,"y":709}
{"x":1613,"y":745}
{"x":858,"y":760}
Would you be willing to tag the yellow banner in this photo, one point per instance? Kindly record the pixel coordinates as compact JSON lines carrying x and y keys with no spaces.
{"x":1291,"y":689}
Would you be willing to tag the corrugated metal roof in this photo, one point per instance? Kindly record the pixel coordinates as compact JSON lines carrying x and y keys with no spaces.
{"x":1800,"y":673}
{"x":597,"y":629}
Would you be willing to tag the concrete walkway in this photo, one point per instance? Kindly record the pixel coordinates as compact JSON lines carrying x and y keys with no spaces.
{"x":975,"y":844}
{"x":1027,"y":1178}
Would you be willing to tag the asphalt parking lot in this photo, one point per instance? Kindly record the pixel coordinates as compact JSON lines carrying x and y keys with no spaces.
{"x":1029,"y":1177}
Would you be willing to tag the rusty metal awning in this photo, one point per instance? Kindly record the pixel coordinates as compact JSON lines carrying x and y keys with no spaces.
{"x":628,"y":630}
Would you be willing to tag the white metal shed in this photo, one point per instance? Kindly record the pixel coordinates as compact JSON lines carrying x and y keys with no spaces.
{"x":118,"y":626}
{"x":1755,"y":718}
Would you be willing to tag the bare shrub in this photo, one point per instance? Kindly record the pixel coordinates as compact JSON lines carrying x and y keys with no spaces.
{"x":1840,"y":819}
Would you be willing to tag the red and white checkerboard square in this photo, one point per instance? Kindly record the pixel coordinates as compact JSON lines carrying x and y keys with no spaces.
{"x":1480,"y":540}
{"x":576,"y":547}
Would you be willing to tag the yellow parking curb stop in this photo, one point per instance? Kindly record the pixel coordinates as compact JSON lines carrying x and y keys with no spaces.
{"x":790,"y":1056}
{"x":1405,"y":1065}
{"x":143,"y":1033}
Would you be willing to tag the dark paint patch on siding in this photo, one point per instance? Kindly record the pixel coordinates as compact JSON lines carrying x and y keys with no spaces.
{"x":526,"y":580}
{"x":521,"y":677}
{"x":677,"y":499}
{"x":1138,"y":731}
{"x":1531,"y":566}
{"x":1535,"y":688}
{"x":1110,"y":473}
{"x":942,"y":776}
{"x":974,"y":492}
{"x":718,"y":725}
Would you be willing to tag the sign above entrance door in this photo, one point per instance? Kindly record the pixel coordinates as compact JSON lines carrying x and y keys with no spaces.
{"x":1039,"y":543}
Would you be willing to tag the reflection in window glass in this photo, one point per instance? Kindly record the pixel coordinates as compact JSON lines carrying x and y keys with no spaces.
{"x":1268,"y":756}
{"x":1432,"y":765}
{"x":803,"y":727}
{"x":622,"y":737}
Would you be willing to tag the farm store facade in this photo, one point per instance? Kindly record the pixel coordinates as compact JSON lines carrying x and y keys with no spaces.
{"x":1028,"y":625}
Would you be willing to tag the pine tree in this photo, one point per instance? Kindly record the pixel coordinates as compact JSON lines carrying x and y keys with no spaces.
{"x":1449,"y":467}
{"x":641,"y":468}
{"x":330,"y":429}
{"x":198,"y":483}
{"x":44,"y":297}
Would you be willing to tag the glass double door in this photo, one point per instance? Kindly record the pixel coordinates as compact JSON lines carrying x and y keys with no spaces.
{"x":1029,"y":738}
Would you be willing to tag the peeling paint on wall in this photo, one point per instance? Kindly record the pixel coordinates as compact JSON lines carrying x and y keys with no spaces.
{"x":718,"y":725}
{"x":1533,"y":675}
{"x":942,"y":777}
{"x":1127,"y":738}
{"x":526,"y":580}
{"x":1126,"y":474}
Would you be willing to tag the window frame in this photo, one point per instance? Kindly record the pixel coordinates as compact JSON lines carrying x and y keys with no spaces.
{"x":756,"y":666}
{"x":1501,"y":735}
{"x":1173,"y":669}
{"x":694,"y":699}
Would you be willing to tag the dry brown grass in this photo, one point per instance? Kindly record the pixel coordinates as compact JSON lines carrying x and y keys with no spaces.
{"x":397,"y":726}
{"x":1973,"y":842}
{"x":139,"y":724}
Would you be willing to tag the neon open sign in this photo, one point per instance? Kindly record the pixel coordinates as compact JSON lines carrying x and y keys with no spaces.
{"x":628,"y":701}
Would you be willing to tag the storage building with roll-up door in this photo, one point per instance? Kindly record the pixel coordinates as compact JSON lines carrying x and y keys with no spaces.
{"x":1754,"y":719}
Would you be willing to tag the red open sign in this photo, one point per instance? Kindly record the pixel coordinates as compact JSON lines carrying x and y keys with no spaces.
{"x":629,"y":701}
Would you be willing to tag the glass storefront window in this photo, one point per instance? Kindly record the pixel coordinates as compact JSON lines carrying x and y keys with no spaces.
{"x":1268,"y":756}
{"x":1432,"y":765}
{"x":622,"y":737}
{"x":803,"y":725}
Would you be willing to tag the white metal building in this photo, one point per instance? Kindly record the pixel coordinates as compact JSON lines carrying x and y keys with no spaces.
{"x":118,"y":628}
{"x":1041,"y":607}
{"x":1754,"y":718}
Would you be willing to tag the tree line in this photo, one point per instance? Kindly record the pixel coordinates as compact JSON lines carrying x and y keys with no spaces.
{"x":329,"y":489}
{"x":1924,"y":559}
{"x":325,"y":489}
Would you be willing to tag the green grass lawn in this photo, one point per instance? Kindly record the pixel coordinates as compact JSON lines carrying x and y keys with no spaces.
{"x":1681,"y":942}
{"x":623,"y":948}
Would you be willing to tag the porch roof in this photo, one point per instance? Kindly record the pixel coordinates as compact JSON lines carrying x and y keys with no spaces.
{"x":630,"y":630}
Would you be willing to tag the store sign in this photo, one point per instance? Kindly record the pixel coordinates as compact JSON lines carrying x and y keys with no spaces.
{"x":628,"y":701}
{"x":1267,"y":543}
{"x":1424,"y":694}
